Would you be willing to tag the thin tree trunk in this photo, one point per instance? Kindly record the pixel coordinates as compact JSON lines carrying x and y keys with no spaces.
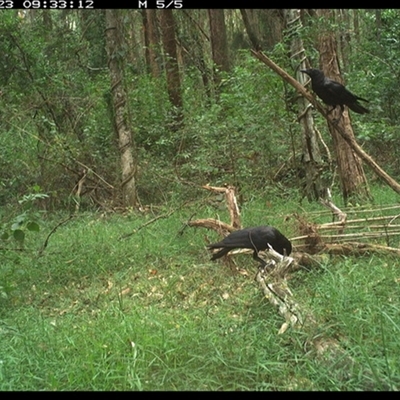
{"x":114,"y":44}
{"x":219,"y":43}
{"x":199,"y":40}
{"x":314,"y":188}
{"x":343,"y":21}
{"x":251,"y":31}
{"x":356,"y":25}
{"x":151,"y":39}
{"x":171,"y":65}
{"x":351,"y":172}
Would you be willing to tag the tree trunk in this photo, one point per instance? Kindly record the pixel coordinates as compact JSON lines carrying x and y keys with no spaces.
{"x":114,"y":44}
{"x":250,"y":29}
{"x":151,"y":40}
{"x":219,"y":43}
{"x":343,"y":20}
{"x":356,"y":25}
{"x":171,"y":65}
{"x":47,"y":21}
{"x":314,"y":187}
{"x":351,"y":172}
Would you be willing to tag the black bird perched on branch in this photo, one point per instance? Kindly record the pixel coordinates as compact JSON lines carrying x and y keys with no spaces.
{"x":257,"y":239}
{"x":333,"y":93}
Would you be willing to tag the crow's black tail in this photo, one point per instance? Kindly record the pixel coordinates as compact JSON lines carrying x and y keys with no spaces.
{"x":358,"y":108}
{"x":220,"y":253}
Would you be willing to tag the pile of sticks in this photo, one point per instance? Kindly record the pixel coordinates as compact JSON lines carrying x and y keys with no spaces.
{"x":370,"y":229}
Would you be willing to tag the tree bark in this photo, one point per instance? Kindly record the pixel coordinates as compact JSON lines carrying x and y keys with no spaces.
{"x":151,"y":40}
{"x":356,"y":24}
{"x":352,"y":177}
{"x":251,"y":31}
{"x":343,"y":20}
{"x":171,"y":65}
{"x":219,"y":43}
{"x":312,"y":160}
{"x":114,"y":44}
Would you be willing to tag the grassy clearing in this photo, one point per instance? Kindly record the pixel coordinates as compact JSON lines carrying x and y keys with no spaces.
{"x":150,"y":312}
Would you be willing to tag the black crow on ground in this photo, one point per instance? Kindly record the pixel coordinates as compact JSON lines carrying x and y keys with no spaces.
{"x":334,"y":93}
{"x":257,"y":239}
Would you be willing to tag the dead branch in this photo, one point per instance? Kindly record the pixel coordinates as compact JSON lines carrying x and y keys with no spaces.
{"x":342,"y":216}
{"x":210,"y":223}
{"x":368,"y":235}
{"x":317,"y":236}
{"x":354,"y":248}
{"x":46,"y":242}
{"x":185,"y":225}
{"x":349,"y":225}
{"x":78,"y":187}
{"x":166,"y":215}
{"x":233,"y":208}
{"x":355,"y":210}
{"x":276,"y":289}
{"x":369,"y":209}
{"x":231,"y":203}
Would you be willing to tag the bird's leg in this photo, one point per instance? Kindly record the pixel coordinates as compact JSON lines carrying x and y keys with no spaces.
{"x":263,"y":264}
{"x":336,"y":120}
{"x":255,"y":253}
{"x":329,"y":111}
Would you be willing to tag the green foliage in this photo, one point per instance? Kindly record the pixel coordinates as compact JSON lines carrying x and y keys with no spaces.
{"x":13,"y":229}
{"x":231,"y":140}
{"x":56,"y":114}
{"x":25,"y":221}
{"x":149,"y":99}
{"x":375,"y":75}
{"x":237,"y":139}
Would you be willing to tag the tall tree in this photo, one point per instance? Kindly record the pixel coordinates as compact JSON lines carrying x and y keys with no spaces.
{"x":219,"y":43}
{"x":343,"y":20}
{"x":351,"y":172}
{"x":194,"y":44}
{"x":151,"y":40}
{"x":115,"y":51}
{"x":252,"y":33}
{"x":167,"y":23}
{"x":356,"y":24}
{"x":314,"y":187}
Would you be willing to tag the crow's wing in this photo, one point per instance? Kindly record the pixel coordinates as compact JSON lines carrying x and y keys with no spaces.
{"x":338,"y":93}
{"x":248,"y":238}
{"x":342,"y":95}
{"x":237,"y":239}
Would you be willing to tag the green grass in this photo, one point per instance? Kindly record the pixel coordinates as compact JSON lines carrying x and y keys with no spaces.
{"x":151,"y":312}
